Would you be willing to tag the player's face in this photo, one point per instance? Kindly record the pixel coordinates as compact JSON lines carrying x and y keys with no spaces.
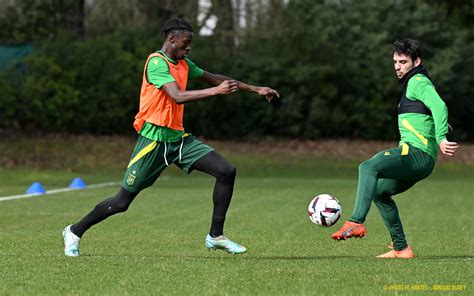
{"x":403,"y":64}
{"x":181,"y":45}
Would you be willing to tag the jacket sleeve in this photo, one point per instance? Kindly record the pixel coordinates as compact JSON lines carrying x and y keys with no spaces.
{"x":421,"y":88}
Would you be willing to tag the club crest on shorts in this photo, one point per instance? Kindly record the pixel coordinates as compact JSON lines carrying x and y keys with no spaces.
{"x":131,"y":178}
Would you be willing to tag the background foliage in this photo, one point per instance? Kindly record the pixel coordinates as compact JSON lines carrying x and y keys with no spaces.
{"x":330,"y":60}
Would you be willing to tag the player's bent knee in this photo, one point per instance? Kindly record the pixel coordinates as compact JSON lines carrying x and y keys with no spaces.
{"x":121,"y":207}
{"x":229,"y":174}
{"x":366,"y":166}
{"x":122,"y":201}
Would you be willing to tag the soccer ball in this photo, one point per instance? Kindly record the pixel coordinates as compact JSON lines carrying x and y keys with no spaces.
{"x":324,"y":210}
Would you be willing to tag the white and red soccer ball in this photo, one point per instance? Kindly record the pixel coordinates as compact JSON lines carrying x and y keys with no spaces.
{"x":324,"y":210}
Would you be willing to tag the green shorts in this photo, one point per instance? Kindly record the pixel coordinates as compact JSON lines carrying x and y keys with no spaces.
{"x":150,"y":158}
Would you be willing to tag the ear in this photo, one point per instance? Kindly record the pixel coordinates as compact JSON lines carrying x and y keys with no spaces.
{"x":417,"y":62}
{"x":171,"y":38}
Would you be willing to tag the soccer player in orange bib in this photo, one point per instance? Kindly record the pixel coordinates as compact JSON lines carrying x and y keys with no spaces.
{"x":163,"y":141}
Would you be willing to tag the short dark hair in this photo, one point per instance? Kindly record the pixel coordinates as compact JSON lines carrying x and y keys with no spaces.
{"x":409,"y":47}
{"x":176,"y":26}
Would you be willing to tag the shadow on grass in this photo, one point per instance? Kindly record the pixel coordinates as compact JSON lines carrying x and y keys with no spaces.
{"x":223,"y":256}
{"x":283,"y":258}
{"x":445,"y":257}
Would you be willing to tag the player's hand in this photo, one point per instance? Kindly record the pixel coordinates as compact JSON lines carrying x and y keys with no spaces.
{"x":448,"y":148}
{"x":227,"y":87}
{"x":268,"y":92}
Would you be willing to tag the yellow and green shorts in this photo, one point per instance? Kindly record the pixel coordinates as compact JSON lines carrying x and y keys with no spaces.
{"x":150,"y":158}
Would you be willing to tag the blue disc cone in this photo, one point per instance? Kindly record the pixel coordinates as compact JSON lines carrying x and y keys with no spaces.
{"x":77,"y":183}
{"x":36,"y":188}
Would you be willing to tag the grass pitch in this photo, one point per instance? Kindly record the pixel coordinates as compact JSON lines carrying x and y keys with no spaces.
{"x":157,"y":247}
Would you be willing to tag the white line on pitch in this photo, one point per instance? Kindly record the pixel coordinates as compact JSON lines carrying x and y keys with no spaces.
{"x":100,"y":185}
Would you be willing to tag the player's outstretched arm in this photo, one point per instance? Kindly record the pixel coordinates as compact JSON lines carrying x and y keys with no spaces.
{"x":216,"y":79}
{"x":181,"y":97}
{"x":447,"y":147}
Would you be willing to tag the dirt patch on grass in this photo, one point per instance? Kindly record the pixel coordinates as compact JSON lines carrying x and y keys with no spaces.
{"x":78,"y":153}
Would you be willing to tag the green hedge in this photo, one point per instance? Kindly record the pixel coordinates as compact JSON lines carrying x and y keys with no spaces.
{"x":330,"y":62}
